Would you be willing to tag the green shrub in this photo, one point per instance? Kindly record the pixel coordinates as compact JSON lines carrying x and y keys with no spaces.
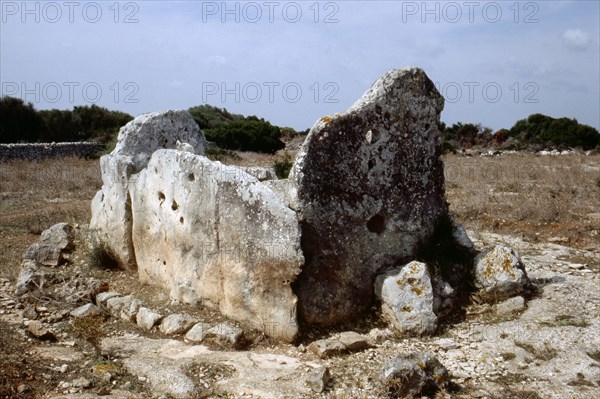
{"x":210,"y":117}
{"x":19,"y":121}
{"x":22,"y":123}
{"x":247,"y":135}
{"x":543,"y":129}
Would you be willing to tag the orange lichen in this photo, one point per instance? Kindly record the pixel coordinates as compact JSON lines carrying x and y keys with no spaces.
{"x":326,"y":119}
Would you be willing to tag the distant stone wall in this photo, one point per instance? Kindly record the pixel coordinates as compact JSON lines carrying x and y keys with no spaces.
{"x":37,"y":151}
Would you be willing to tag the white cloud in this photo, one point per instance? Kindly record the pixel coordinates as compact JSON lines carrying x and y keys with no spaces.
{"x":576,"y":39}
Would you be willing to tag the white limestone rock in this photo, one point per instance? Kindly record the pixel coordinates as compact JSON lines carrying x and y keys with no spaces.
{"x":136,"y":142}
{"x":147,"y":318}
{"x":214,"y":233}
{"x":407,"y":299}
{"x":499,"y":274}
{"x":176,"y":324}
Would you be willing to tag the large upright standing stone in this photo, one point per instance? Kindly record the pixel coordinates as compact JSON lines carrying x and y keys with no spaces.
{"x":370,"y":193}
{"x":136,"y":142}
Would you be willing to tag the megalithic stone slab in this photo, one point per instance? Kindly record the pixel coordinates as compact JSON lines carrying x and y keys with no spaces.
{"x":214,"y":234}
{"x":370,"y":191}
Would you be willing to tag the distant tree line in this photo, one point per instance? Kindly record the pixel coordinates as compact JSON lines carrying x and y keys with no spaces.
{"x":534,"y":133}
{"x":543,"y":129}
{"x":21,"y":122}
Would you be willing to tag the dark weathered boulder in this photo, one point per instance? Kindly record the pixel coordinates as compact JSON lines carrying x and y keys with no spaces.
{"x":370,"y":193}
{"x":414,"y":376}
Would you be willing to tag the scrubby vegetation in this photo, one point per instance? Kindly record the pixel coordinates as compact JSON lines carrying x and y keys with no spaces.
{"x":247,"y":135}
{"x":237,"y":132}
{"x":534,"y":133}
{"x":21,"y":122}
{"x":542,"y":129}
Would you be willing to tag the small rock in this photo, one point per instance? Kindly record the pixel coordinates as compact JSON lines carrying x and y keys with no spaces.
{"x":447,"y":343}
{"x":326,"y":347}
{"x":510,"y":305}
{"x":197,"y":333}
{"x":461,"y":238}
{"x":318,"y":378}
{"x":380,"y":335}
{"x":147,"y":318}
{"x":354,"y":341}
{"x":30,"y":313}
{"x":60,"y":235}
{"x":102,"y":297}
{"x":414,"y":375}
{"x":37,"y":329}
{"x":460,"y":374}
{"x":443,"y":296}
{"x":22,"y":388}
{"x":116,"y":304}
{"x":29,"y":278}
{"x":176,"y":324}
{"x":226,"y":333}
{"x":407,"y":298}
{"x":81,"y":382}
{"x":499,"y":274}
{"x":43,"y":254}
{"x":88,"y":310}
{"x":262,"y":174}
{"x":129,"y":312}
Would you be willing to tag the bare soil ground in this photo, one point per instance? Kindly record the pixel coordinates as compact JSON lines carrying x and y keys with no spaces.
{"x":535,"y":199}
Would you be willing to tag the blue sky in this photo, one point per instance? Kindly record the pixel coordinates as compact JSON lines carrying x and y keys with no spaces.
{"x":293,"y":62}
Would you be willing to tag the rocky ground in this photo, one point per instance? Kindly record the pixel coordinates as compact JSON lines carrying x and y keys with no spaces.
{"x":544,"y":207}
{"x":546,"y":346}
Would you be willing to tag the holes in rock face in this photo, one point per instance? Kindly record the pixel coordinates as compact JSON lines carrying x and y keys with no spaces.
{"x":191,"y":177}
{"x":161,"y":196}
{"x":376,"y":224}
{"x":371,"y":163}
{"x":174,"y":205}
{"x":164,"y":262}
{"x":426,"y":126}
{"x":181,"y":220}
